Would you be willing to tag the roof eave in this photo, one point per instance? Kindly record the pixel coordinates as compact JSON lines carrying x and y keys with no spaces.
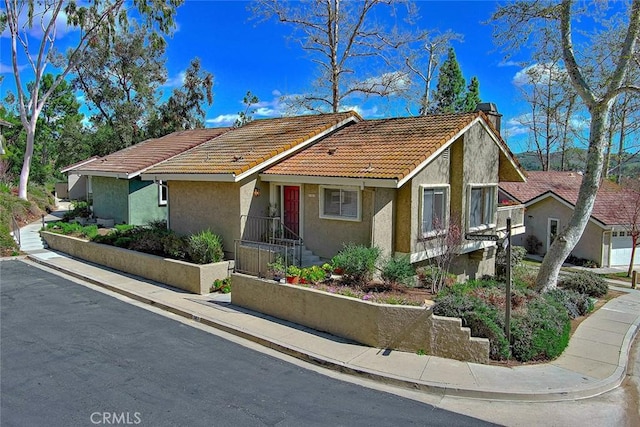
{"x":331,"y":180}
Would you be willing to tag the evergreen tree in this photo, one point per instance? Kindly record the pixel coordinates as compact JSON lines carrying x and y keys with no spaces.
{"x":449,"y":96}
{"x":472,"y":97}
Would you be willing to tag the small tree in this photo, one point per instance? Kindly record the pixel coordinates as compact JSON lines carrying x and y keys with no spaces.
{"x":443,"y":248}
{"x":246,"y":116}
{"x":630,"y":215}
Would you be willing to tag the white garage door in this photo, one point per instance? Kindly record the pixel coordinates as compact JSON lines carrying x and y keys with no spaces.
{"x":621,"y":249}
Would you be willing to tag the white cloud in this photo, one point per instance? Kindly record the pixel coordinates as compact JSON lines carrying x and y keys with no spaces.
{"x":175,"y":81}
{"x":539,"y":73}
{"x":223,"y":120}
{"x":8,"y":69}
{"x":41,"y":18}
{"x":366,"y":113}
{"x":509,"y":64}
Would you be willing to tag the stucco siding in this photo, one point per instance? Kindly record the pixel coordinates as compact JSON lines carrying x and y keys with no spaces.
{"x":196,"y":206}
{"x":383,"y":219}
{"x":111,"y":198}
{"x":144,"y":203}
{"x":77,"y":186}
{"x":326,"y":237}
{"x":436,"y":173}
{"x":480,"y":160}
{"x":536,"y":221}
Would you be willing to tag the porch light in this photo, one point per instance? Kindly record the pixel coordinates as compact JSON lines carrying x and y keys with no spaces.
{"x":256,"y":192}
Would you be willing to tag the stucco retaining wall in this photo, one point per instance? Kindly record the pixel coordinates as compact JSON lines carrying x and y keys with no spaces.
{"x":395,"y":327}
{"x":189,"y":277}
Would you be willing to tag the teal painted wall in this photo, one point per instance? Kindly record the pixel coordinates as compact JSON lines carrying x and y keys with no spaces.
{"x":143,"y":202}
{"x":110,"y":198}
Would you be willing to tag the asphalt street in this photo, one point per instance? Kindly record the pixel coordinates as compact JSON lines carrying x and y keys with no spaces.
{"x":71,"y":356}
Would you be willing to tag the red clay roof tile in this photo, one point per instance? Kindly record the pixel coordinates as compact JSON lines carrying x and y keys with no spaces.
{"x":566,"y":185}
{"x":243,"y":148}
{"x":138,"y":157}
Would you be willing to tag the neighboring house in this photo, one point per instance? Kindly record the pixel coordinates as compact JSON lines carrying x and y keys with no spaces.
{"x":335,"y":178}
{"x":550,"y":199}
{"x":76,"y":185}
{"x":115,"y":188}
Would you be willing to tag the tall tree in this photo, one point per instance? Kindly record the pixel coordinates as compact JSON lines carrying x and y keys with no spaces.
{"x":452,"y":95}
{"x":630,"y":215}
{"x":422,"y":59}
{"x":449,"y":95}
{"x":339,"y":37}
{"x":597,"y":83}
{"x":472,"y":96}
{"x":184,"y":108}
{"x":246,"y":116}
{"x":119,"y":78}
{"x":88,"y":21}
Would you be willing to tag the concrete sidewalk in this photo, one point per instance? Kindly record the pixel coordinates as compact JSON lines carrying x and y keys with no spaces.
{"x":594,"y":362}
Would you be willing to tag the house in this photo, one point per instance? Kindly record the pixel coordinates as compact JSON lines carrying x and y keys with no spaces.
{"x":114,"y":186}
{"x":331,"y":179}
{"x":76,"y":186}
{"x":550,"y":198}
{"x":217,"y":185}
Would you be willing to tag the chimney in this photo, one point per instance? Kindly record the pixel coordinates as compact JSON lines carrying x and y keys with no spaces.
{"x":490,"y":109}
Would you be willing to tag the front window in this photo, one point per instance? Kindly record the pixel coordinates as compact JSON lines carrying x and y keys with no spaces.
{"x":162,"y":193}
{"x":481,"y":206}
{"x":433,"y":212}
{"x":340,"y":203}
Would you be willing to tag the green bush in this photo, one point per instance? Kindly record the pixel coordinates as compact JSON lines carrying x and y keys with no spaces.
{"x":205,"y":247}
{"x":357,"y":263}
{"x":541,"y":332}
{"x":223,"y":285}
{"x":79,"y":208}
{"x":540,"y":324}
{"x":483,"y":320}
{"x":397,"y":270}
{"x":575,"y":303}
{"x":517,"y":255}
{"x":73,"y":229}
{"x":586,"y":282}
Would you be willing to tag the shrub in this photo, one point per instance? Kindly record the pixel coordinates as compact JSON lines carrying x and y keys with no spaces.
{"x":147,"y":240}
{"x":483,"y":320}
{"x":205,"y":247}
{"x":79,"y":208}
{"x":174,"y":246}
{"x":223,"y":285}
{"x":73,"y":229}
{"x":541,"y":332}
{"x":575,"y":303}
{"x":313,"y":274}
{"x":586,"y":282}
{"x":517,"y":255}
{"x":397,"y":270}
{"x":532,"y":244}
{"x":357,"y":263}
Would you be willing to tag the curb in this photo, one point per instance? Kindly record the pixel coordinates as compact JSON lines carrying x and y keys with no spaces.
{"x":441,"y":389}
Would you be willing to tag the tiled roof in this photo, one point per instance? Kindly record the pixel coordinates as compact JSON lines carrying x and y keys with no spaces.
{"x":132,"y":160}
{"x":377,"y":149}
{"x":241,"y":149}
{"x":566,"y":186}
{"x":80,"y":163}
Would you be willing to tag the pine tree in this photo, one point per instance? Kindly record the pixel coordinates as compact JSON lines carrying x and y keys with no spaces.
{"x":472,"y":97}
{"x":449,"y":96}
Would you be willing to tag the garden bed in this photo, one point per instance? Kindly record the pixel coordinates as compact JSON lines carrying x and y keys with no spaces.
{"x":396,"y":327}
{"x":195,"y":278}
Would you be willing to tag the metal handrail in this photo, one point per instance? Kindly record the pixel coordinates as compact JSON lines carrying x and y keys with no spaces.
{"x":15,"y":230}
{"x":267,"y":230}
{"x":254,"y":257}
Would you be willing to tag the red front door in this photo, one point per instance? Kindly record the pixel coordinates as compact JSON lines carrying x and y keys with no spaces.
{"x":292,"y":210}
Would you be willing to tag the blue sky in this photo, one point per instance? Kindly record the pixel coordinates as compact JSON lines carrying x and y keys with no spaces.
{"x":246,"y":55}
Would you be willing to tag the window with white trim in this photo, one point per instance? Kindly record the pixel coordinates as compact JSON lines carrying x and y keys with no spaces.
{"x":340,"y":203}
{"x":433,"y":210}
{"x":482,"y":206}
{"x":162,"y":193}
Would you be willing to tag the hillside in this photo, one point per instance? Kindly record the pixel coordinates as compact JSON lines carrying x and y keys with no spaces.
{"x":575,"y":161}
